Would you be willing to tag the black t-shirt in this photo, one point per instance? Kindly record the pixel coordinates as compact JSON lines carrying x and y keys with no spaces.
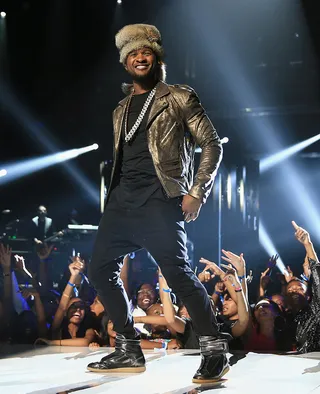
{"x":138,"y":177}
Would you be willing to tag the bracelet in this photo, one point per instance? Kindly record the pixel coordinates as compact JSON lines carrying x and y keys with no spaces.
{"x":164,"y":345}
{"x":71,"y":284}
{"x":217,"y":293}
{"x":167,"y":290}
{"x":238,"y":289}
{"x":242,"y":277}
{"x":160,"y":276}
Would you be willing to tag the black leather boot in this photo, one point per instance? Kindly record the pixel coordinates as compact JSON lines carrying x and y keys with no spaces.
{"x":127,"y":357}
{"x":214,"y":363}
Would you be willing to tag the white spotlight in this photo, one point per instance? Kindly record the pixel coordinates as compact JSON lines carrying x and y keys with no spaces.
{"x":3,"y":14}
{"x":95,"y":146}
{"x":224,"y":140}
{"x":3,"y":173}
{"x":119,"y":1}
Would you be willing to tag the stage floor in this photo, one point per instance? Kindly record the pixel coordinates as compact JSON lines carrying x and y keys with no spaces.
{"x":54,"y":370}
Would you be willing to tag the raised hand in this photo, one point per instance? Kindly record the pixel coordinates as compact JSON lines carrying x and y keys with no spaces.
{"x":288,"y":274}
{"x":76,"y":267}
{"x":250,"y":277}
{"x":219,"y":287}
{"x":265,"y":279}
{"x":231,"y":275}
{"x":273,"y":261}
{"x":210,"y":265}
{"x":44,"y":251}
{"x":301,"y":234}
{"x":237,"y":262}
{"x":5,"y":258}
{"x":205,"y":276}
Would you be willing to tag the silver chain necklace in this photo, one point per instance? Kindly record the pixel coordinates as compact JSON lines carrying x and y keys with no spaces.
{"x":134,"y":128}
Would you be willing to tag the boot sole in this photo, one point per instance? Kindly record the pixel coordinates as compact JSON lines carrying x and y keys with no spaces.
{"x":119,"y":370}
{"x":218,"y":380}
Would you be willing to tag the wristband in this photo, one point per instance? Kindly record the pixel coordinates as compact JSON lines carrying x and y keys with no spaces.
{"x":71,"y":284}
{"x":217,"y":293}
{"x":160,"y":276}
{"x":241,"y":277}
{"x":304,"y":277}
{"x":164,"y":345}
{"x":238,"y":289}
{"x":166,"y":290}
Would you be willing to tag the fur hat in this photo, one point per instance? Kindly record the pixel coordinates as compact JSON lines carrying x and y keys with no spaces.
{"x":133,"y":37}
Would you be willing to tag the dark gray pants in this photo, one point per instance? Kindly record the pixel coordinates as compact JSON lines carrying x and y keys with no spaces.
{"x":158,"y":227}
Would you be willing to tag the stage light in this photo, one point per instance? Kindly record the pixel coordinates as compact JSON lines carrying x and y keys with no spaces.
{"x":229,"y":191}
{"x":3,"y":173}
{"x":95,"y":146}
{"x":269,"y":247}
{"x":43,"y":137}
{"x":278,"y":157}
{"x":119,"y":1}
{"x":26,"y":167}
{"x":3,"y":14}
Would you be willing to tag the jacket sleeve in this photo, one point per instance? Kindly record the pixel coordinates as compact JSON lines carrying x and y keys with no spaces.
{"x":315,"y":282}
{"x":207,"y":138}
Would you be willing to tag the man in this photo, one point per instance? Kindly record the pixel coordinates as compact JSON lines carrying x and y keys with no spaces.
{"x":42,"y":226}
{"x":152,"y":192}
{"x":304,"y":301}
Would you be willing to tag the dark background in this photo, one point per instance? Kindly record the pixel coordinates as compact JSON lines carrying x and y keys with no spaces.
{"x":61,"y":78}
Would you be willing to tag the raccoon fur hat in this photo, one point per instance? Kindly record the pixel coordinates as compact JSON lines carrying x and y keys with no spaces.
{"x":133,"y":37}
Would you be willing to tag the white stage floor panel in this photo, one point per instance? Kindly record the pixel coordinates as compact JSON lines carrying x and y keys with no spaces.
{"x":53,"y":370}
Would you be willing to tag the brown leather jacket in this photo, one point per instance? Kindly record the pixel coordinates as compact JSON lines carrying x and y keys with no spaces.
{"x":177,"y":124}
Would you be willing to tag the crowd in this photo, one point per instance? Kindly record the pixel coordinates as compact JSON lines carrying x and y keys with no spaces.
{"x":282,"y":321}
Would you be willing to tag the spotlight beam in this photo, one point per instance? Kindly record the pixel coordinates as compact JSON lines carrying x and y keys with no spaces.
{"x":42,"y":136}
{"x":26,"y":167}
{"x":278,"y":157}
{"x":269,"y":247}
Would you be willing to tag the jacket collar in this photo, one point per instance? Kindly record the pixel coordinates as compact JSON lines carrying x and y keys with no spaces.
{"x":162,"y":89}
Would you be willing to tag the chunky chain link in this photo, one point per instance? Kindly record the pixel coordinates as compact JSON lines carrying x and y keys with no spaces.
{"x":134,"y":128}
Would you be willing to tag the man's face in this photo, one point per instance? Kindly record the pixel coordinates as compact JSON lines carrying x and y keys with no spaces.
{"x":229,"y":308}
{"x":42,"y":211}
{"x":141,"y":64}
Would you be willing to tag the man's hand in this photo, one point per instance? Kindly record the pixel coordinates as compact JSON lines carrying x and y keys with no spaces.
{"x":236,"y":261}
{"x":5,"y":258}
{"x":301,"y":234}
{"x":265,"y":279}
{"x":205,"y":276}
{"x":190,"y":207}
{"x":210,"y":265}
